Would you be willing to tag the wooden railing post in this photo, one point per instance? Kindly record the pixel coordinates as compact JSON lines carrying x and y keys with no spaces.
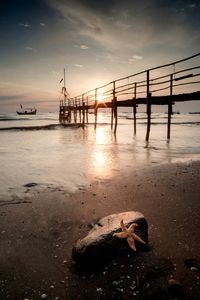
{"x":73,"y":101}
{"x":170,"y":107}
{"x":79,"y":110}
{"x":87,"y":105}
{"x":95,"y":109}
{"x":115,"y":108}
{"x":112,"y":108}
{"x":74,"y":109}
{"x":148,"y":107}
{"x":83,"y":110}
{"x":135,"y":107}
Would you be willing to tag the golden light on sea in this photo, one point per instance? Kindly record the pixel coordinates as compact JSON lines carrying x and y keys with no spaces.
{"x":101,"y":158}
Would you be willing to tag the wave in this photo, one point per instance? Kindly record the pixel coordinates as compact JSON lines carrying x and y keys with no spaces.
{"x":139,"y":122}
{"x":174,"y":123}
{"x":40,"y":127}
{"x":141,"y":118}
{"x":25,"y":119}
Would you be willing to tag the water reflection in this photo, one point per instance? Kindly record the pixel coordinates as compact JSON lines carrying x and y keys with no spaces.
{"x":102,"y":154}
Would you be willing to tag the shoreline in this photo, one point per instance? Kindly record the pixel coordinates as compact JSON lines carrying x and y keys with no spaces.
{"x":37,"y":237}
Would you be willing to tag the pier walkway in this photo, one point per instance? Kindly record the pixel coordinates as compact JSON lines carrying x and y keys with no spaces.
{"x":162,"y":85}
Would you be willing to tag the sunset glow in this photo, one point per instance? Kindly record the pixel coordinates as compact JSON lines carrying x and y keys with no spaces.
{"x":100,"y":98}
{"x":93,"y":40}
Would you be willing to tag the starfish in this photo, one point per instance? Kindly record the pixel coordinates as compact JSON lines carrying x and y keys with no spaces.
{"x":128,"y":233}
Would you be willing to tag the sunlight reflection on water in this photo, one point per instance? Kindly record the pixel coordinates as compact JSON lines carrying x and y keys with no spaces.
{"x":68,"y":158}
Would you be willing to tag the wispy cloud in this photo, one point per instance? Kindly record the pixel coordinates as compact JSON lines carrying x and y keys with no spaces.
{"x":137,"y":57}
{"x":78,"y":66}
{"x":123,"y":26}
{"x":42,"y":24}
{"x":192,"y":5}
{"x":28,"y":49}
{"x":26,"y":25}
{"x":84,"y":47}
{"x":134,"y":58}
{"x":113,"y":28}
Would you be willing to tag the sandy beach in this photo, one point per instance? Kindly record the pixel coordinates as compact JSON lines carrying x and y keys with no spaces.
{"x":37,"y":236}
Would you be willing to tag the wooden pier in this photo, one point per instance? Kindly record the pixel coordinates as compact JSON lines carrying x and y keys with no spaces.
{"x":162,"y":85}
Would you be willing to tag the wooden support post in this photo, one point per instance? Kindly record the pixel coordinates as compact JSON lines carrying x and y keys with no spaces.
{"x":135,"y":107}
{"x":73,"y":108}
{"x":79,"y":110}
{"x":148,"y":108}
{"x":87,"y":111}
{"x":170,"y":107}
{"x":115,"y":114}
{"x":83,"y":111}
{"x":134,"y":117}
{"x":70,"y":114}
{"x":95,"y":109}
{"x":112,"y":113}
{"x":75,"y":111}
{"x":60,"y":113}
{"x":114,"y":109}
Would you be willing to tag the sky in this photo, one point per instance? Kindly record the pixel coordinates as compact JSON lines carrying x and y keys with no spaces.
{"x":96,"y":41}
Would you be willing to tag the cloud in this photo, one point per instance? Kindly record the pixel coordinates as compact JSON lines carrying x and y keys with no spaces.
{"x":83,"y":47}
{"x":124,"y":25}
{"x":134,"y":58}
{"x":28,"y":49}
{"x":42,"y":24}
{"x":86,"y":23}
{"x":192,"y":5}
{"x":78,"y":66}
{"x":26,"y":25}
{"x":137,"y":57}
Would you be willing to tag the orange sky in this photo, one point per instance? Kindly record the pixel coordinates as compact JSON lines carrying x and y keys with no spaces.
{"x":96,"y":41}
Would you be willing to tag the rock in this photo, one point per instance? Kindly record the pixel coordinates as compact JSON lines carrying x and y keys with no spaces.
{"x":30,"y":184}
{"x":100,"y":245}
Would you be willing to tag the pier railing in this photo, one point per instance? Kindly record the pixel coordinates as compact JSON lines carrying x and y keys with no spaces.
{"x":161,"y":85}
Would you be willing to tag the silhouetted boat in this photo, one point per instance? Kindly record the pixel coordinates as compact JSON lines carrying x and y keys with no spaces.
{"x":27,"y":111}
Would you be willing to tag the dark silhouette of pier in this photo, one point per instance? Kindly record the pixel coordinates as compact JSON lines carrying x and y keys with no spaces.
{"x":162,"y":85}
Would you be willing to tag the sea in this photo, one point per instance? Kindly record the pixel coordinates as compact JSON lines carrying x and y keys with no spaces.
{"x":38,"y":152}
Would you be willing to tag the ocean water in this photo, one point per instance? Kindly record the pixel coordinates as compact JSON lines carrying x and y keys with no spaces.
{"x":37,"y":149}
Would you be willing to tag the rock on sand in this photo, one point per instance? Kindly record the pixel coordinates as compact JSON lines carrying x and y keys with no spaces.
{"x":100,"y":245}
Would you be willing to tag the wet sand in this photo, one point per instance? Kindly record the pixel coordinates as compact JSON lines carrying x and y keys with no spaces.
{"x":37,"y":237}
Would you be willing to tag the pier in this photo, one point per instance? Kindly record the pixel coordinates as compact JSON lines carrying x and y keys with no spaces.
{"x":161,"y":85}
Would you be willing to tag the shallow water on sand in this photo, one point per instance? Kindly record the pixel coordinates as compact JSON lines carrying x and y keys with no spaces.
{"x":37,"y":149}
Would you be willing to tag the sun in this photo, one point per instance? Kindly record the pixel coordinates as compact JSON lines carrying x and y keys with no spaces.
{"x":100,"y":98}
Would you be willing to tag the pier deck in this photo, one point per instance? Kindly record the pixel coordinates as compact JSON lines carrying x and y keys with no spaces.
{"x":161,"y":85}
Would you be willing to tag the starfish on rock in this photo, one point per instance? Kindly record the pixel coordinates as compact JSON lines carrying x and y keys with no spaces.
{"x":128,"y":233}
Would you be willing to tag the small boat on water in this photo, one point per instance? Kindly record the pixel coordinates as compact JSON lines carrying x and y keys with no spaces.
{"x":27,"y":111}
